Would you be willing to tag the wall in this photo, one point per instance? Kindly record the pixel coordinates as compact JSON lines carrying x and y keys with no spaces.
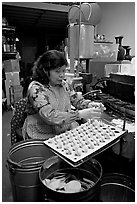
{"x":29,"y":48}
{"x":32,"y":42}
{"x":118,"y":18}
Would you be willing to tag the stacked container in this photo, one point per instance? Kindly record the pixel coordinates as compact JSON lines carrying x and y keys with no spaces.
{"x":12,"y":82}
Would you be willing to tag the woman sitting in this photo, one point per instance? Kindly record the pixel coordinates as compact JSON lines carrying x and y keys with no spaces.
{"x":51,"y":98}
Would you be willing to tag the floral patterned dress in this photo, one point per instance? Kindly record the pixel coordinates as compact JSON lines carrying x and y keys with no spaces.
{"x":51,"y":105}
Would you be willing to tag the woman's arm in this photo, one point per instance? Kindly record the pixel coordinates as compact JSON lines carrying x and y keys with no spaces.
{"x":76,"y":99}
{"x":39,"y":99}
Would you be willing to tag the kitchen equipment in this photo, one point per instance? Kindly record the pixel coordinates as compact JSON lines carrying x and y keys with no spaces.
{"x":117,"y":187}
{"x":127,"y":55}
{"x":90,"y":13}
{"x":121,"y":50}
{"x":83,"y":40}
{"x":90,"y":171}
{"x":89,"y":139}
{"x":119,"y":85}
{"x":24,"y":161}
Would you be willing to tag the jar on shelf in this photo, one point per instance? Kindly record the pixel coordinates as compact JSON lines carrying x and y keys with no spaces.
{"x":127,"y":55}
{"x":121,"y":50}
{"x":4,"y":21}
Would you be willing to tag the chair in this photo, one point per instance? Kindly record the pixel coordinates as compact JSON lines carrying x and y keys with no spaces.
{"x":17,"y":121}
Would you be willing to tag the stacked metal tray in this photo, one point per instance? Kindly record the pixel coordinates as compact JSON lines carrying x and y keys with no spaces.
{"x":118,"y":105}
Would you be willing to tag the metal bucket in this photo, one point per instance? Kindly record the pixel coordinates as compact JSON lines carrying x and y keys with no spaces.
{"x":117,"y":187}
{"x":24,"y":162}
{"x":81,"y":41}
{"x":91,"y":170}
{"x":84,"y":41}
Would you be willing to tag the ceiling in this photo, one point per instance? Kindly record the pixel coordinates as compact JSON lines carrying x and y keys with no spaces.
{"x":37,"y":15}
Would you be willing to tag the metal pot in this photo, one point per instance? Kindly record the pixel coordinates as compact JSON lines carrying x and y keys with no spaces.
{"x":91,"y":168}
{"x":117,"y":187}
{"x":24,"y":161}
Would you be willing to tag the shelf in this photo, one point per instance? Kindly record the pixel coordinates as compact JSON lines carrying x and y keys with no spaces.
{"x":9,"y":55}
{"x":103,"y":42}
{"x":8,"y":28}
{"x":8,"y":41}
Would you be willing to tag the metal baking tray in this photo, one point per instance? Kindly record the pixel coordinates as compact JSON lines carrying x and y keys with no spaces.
{"x":86,"y":141}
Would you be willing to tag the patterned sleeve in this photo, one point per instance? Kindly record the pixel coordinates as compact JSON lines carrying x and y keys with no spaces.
{"x":39,"y":99}
{"x":77,"y":101}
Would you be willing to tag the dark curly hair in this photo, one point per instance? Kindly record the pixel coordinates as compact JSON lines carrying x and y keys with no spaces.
{"x":49,"y":60}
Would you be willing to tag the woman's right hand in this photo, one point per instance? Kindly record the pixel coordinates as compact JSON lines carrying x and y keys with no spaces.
{"x":72,"y":116}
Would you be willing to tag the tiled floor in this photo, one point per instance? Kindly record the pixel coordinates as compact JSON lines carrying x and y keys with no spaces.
{"x":6,"y":187}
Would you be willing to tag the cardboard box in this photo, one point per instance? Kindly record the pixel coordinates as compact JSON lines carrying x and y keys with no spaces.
{"x":17,"y":89}
{"x":125,"y":69}
{"x":111,"y":68}
{"x":11,"y":65}
{"x":13,"y":78}
{"x":17,"y":92}
{"x":17,"y":96}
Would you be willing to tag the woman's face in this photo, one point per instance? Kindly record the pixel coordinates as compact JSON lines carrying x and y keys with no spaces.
{"x":57,"y":75}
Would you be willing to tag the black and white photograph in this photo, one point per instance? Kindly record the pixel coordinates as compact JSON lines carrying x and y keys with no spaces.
{"x":68,"y":101}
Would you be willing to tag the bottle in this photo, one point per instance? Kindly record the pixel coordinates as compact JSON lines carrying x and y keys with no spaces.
{"x":4,"y":48}
{"x":11,"y":93}
{"x":127,"y":55}
{"x":76,"y":70}
{"x":4,"y":40}
{"x":14,"y":47}
{"x":121,"y":50}
{"x":8,"y":41}
{"x":12,"y":42}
